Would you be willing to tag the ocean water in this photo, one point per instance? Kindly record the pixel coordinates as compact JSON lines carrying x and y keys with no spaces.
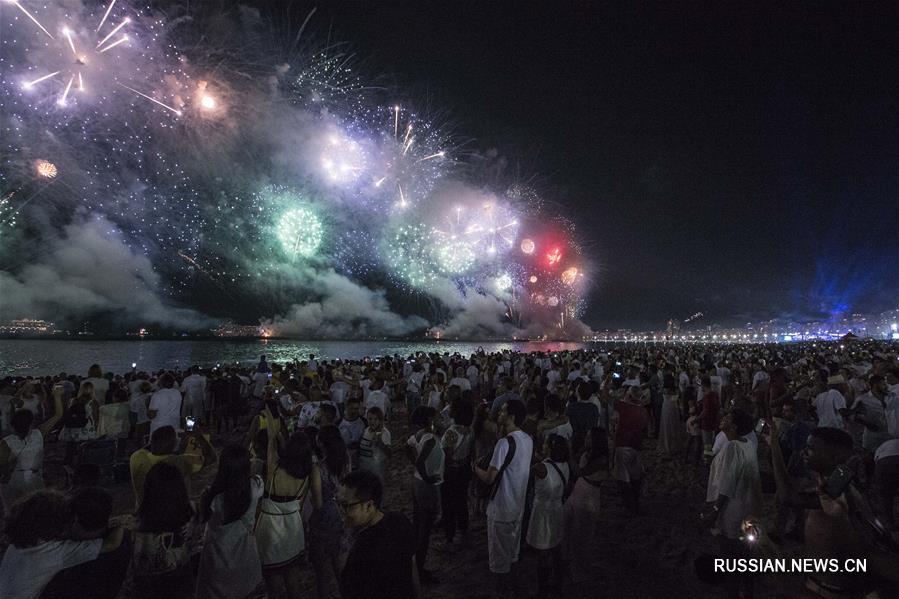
{"x":51,"y":356}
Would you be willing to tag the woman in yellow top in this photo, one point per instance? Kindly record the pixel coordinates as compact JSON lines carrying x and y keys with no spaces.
{"x":261,"y":422}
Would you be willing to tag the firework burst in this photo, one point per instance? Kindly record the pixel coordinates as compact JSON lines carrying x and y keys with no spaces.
{"x":221,"y":157}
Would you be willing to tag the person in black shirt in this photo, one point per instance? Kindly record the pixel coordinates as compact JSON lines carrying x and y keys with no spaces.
{"x":583,"y":416}
{"x":101,"y":578}
{"x":234,"y":405}
{"x":218,"y":391}
{"x":380,"y":562}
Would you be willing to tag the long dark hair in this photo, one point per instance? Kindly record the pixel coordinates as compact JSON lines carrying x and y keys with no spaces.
{"x":296,"y":458}
{"x":599,"y":444}
{"x":166,"y":506}
{"x":333,"y":449}
{"x":232,"y":482}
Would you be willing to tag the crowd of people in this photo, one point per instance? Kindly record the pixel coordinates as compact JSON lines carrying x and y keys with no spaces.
{"x":800,"y":444}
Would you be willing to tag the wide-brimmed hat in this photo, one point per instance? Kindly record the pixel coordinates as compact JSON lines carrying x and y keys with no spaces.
{"x":836,"y":379}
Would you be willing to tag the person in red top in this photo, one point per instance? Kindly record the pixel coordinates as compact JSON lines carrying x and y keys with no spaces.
{"x":631,"y":421}
{"x":709,"y":417}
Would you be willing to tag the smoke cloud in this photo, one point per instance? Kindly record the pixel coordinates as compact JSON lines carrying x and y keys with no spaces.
{"x":89,"y":269}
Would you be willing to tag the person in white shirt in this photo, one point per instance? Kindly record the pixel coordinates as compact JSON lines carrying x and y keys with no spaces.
{"x":683,"y":381}
{"x":830,"y":405}
{"x":725,"y":373}
{"x":886,"y":480}
{"x":245,"y":385}
{"x":760,"y":379}
{"x":194,"y":389}
{"x":877,"y":410}
{"x":472,"y":374}
{"x":36,"y":527}
{"x":374,"y":446}
{"x":427,"y":454}
{"x":377,"y":398}
{"x":892,"y":377}
{"x":553,"y":376}
{"x":338,"y":392}
{"x":506,"y":508}
{"x":460,"y":381}
{"x":576,"y":374}
{"x":138,"y":405}
{"x":716,"y":381}
{"x":365,"y":384}
{"x":135,"y":385}
{"x":414,"y":387}
{"x":23,"y":450}
{"x":101,"y":384}
{"x":165,"y":405}
{"x":260,"y":380}
{"x":598,"y":371}
{"x":352,"y":427}
{"x":734,"y":483}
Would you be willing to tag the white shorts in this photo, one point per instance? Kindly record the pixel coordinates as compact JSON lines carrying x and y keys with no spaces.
{"x":503,"y":542}
{"x":626,"y":464}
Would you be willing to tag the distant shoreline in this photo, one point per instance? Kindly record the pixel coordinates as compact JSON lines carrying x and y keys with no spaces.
{"x":298,"y":339}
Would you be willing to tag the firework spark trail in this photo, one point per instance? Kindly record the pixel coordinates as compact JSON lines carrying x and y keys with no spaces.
{"x":30,"y":16}
{"x":66,"y":32}
{"x":215,"y":280}
{"x":431,"y":157}
{"x":65,"y":94}
{"x":113,"y":32}
{"x":152,"y":99}
{"x":105,"y":15}
{"x":121,"y":40}
{"x":39,"y":79}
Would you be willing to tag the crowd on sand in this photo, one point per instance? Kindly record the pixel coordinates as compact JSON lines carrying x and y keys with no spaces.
{"x":251,"y":481}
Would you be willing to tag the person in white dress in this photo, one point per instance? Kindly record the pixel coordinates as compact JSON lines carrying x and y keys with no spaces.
{"x":671,"y":427}
{"x":230,"y":565}
{"x":583,"y":506}
{"x":21,"y":460}
{"x":547,"y":524}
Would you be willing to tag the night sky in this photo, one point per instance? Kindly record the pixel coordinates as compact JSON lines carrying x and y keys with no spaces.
{"x":739,"y":161}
